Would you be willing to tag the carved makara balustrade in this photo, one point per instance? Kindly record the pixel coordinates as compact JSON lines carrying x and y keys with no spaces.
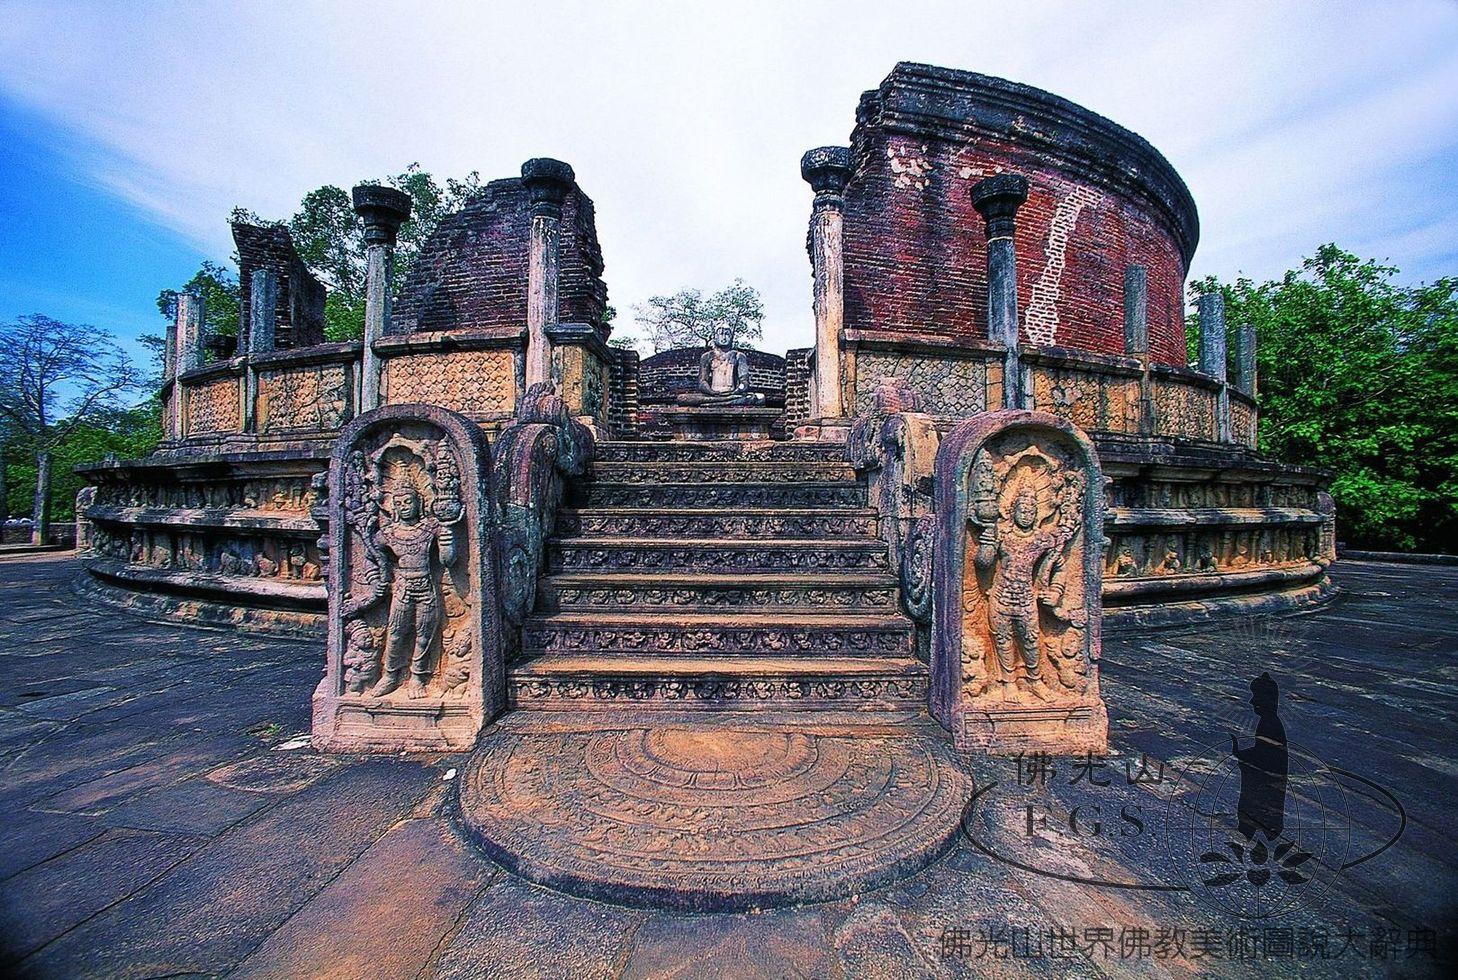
{"x":415,"y":655}
{"x":1016,"y":572}
{"x":535,"y":455}
{"x":896,"y":446}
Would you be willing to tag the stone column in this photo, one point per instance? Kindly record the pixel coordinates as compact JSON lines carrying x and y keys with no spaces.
{"x":997,"y":199}
{"x":262,"y":320}
{"x":1136,"y":311}
{"x":384,"y":210}
{"x":827,"y":169}
{"x":1245,"y":359}
{"x":547,"y":182}
{"x":1136,"y":338}
{"x":1211,"y":307}
{"x":186,"y":336}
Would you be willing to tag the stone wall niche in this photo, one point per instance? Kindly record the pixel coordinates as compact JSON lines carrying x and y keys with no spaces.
{"x":414,"y":651}
{"x":1016,"y":571}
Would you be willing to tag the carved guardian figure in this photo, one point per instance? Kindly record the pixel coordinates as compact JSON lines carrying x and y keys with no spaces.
{"x":415,"y":658}
{"x":1016,"y":573}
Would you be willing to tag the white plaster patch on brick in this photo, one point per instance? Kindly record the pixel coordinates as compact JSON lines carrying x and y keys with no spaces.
{"x":910,"y":166}
{"x":1041,"y":322}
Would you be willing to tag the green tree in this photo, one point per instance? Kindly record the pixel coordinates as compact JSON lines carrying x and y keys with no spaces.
{"x":54,"y":378}
{"x":120,"y":433}
{"x":1359,"y":374}
{"x":330,"y":240}
{"x":688,"y":318}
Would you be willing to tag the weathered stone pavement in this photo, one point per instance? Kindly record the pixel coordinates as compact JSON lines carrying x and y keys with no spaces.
{"x":160,"y":815}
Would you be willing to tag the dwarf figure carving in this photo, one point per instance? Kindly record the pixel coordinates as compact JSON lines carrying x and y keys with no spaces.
{"x":361,"y":656}
{"x":412,"y":540}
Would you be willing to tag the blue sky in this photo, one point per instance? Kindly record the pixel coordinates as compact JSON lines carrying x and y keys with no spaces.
{"x":128,"y":131}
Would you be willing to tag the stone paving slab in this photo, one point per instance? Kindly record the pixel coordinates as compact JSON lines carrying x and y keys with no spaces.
{"x":191,"y":844}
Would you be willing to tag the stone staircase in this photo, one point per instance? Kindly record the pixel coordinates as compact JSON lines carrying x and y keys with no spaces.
{"x":719,"y":576}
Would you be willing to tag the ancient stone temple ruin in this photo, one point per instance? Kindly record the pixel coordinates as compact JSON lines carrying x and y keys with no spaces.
{"x":669,"y":600}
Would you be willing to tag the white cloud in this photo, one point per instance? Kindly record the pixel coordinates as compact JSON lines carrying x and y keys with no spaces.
{"x":1292,"y":123}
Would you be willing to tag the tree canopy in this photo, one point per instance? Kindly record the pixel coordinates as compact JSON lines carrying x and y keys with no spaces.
{"x":689,"y":319}
{"x":1359,"y":375}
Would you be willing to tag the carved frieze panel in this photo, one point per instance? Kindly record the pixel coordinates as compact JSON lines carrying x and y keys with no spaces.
{"x":1242,"y":423}
{"x":480,"y":382}
{"x":1016,"y":577}
{"x":1092,"y":401}
{"x":214,"y":407}
{"x":303,"y":398}
{"x":943,"y":385}
{"x":414,"y":656}
{"x":1183,"y":410}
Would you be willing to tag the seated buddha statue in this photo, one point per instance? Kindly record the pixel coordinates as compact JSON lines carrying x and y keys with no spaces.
{"x":723,"y":376}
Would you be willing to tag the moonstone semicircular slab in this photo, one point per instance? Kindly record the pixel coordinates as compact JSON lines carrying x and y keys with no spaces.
{"x":712,"y":818}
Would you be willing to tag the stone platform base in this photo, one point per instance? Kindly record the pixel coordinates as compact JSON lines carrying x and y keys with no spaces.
{"x":708,"y":424}
{"x":712,"y":815}
{"x":1072,"y":731}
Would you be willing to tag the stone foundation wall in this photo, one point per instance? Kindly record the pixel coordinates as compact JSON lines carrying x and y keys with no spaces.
{"x":230,"y":539}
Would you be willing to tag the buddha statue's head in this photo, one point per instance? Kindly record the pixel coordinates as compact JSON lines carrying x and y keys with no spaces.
{"x":724,"y":337}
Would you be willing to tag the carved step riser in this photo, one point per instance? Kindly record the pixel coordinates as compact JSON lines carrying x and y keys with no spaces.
{"x":648,"y":474}
{"x":698,"y":599}
{"x":655,"y":496}
{"x":747,"y":641}
{"x":708,"y":559}
{"x":687,"y":452}
{"x":716,"y":694}
{"x":711,"y":526}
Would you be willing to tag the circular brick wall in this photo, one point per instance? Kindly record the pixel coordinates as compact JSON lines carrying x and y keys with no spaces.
{"x":1101,"y":199}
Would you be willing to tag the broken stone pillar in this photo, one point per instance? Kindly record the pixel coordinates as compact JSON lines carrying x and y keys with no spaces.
{"x":827,"y":169}
{"x":1245,"y":360}
{"x":262,"y":320}
{"x":384,"y":210}
{"x":1136,"y":311}
{"x":1017,"y":578}
{"x":184,"y":353}
{"x":1136,"y":337}
{"x":1211,"y":308}
{"x":547,"y":182}
{"x":997,"y":199}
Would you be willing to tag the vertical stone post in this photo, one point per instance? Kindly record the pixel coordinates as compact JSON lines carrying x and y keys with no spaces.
{"x":1136,"y":338}
{"x":384,"y":210}
{"x":186,"y":353}
{"x":262,"y":321}
{"x":1136,"y":311}
{"x":997,"y":199}
{"x":1245,"y":359}
{"x":547,"y":182}
{"x":1212,"y":356}
{"x":827,"y":169}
